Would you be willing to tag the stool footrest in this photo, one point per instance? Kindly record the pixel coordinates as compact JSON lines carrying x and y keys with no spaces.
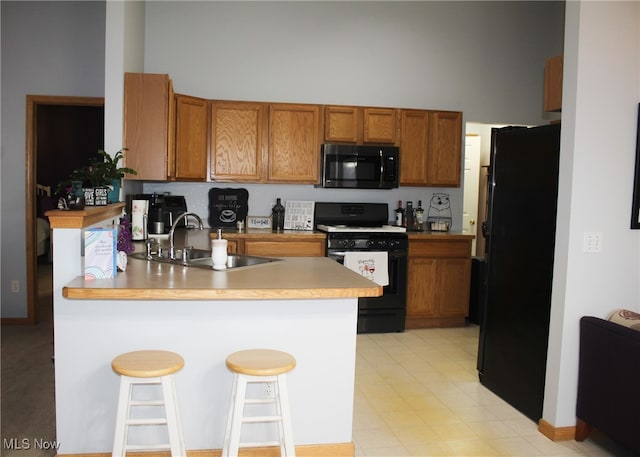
{"x":151,"y":421}
{"x":251,"y":419}
{"x":259,"y":401}
{"x":142,"y":447}
{"x":146,"y":403}
{"x":260,"y":444}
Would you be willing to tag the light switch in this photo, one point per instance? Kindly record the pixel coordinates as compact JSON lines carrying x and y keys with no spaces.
{"x":592,"y":242}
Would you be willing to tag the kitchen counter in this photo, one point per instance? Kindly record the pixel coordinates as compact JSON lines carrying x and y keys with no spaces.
{"x":439,"y":236}
{"x":260,"y":233}
{"x":305,"y":306}
{"x":291,"y":277}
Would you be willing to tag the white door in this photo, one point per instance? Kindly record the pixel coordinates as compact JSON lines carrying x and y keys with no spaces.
{"x":471,"y":186}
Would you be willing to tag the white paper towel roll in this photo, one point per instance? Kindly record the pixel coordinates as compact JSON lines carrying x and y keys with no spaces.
{"x":139,"y":210}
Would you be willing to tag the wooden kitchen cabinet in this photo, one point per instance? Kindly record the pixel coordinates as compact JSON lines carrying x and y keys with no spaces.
{"x":294,"y":143}
{"x":414,"y":147}
{"x":438,"y":283}
{"x":445,"y":148}
{"x":356,"y":124}
{"x":553,"y":83}
{"x":379,"y":125}
{"x":261,"y":242}
{"x":430,"y":148}
{"x":191,"y":152}
{"x":342,"y":124}
{"x":237,"y":141}
{"x":149,"y":126}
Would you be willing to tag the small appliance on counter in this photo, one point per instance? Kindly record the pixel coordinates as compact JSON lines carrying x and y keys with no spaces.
{"x":162,"y":211}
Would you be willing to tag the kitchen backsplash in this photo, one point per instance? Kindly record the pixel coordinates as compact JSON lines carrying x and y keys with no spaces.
{"x":262,"y":197}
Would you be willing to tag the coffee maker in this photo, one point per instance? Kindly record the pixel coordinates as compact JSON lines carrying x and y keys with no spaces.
{"x":155,"y":217}
{"x":163,"y":210}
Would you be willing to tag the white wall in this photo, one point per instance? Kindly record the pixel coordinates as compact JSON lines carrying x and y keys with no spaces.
{"x":48,"y":48}
{"x":409,"y":54}
{"x":600,"y":107}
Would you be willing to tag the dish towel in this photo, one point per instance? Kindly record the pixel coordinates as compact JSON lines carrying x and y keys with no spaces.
{"x":371,"y":265}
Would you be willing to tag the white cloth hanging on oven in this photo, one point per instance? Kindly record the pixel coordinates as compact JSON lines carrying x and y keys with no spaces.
{"x":372,"y":265}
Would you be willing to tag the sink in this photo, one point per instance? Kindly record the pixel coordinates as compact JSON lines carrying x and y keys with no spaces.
{"x":200,"y":258}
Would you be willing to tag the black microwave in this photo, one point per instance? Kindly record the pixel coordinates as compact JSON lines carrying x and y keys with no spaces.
{"x":360,"y":167}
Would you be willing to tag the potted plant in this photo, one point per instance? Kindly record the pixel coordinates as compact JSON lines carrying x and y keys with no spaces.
{"x":106,"y":173}
{"x":103,"y":174}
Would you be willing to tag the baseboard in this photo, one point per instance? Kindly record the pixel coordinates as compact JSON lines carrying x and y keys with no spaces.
{"x":556,"y":433}
{"x":312,"y":450}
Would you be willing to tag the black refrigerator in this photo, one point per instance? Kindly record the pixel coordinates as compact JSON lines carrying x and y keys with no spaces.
{"x":520,"y":234}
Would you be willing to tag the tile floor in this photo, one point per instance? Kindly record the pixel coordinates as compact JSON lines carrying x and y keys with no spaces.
{"x":417,"y":394}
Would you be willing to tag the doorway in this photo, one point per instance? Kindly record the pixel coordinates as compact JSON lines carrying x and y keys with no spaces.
{"x":63,"y":133}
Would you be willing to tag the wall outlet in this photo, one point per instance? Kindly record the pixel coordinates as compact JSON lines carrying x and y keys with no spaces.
{"x":269,"y":390}
{"x":15,"y":286}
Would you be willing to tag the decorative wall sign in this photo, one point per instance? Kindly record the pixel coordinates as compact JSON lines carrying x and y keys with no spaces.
{"x":226,"y":206}
{"x":259,"y":222}
{"x":298,"y":215}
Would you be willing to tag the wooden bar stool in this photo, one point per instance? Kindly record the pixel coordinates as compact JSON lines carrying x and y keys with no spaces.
{"x":259,"y":366}
{"x":148,"y":368}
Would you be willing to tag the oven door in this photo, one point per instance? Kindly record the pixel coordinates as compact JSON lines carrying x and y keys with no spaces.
{"x":385,"y":313}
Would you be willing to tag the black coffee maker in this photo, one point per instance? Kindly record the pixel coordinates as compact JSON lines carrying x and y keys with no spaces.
{"x":164,"y":209}
{"x":156,"y":216}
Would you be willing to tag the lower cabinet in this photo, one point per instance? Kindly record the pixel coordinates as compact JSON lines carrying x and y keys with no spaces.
{"x":269,"y":244}
{"x":438,"y":283}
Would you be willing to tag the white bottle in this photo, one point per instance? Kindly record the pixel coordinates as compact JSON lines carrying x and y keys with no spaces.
{"x":219,"y":252}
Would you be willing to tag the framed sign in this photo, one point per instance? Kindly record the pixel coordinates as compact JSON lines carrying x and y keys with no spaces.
{"x":227,"y":206}
{"x":635,"y":203}
{"x":298,"y":215}
{"x":259,"y":222}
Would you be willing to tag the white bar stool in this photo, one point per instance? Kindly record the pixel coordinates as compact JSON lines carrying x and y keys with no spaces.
{"x":148,"y":368}
{"x":259,"y":366}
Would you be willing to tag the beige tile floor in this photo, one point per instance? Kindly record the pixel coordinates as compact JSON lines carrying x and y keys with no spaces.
{"x":417,"y":394}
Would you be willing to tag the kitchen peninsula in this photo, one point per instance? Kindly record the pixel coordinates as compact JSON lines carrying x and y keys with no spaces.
{"x":306,"y":306}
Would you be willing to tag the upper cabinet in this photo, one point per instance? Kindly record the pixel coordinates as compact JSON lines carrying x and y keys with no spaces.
{"x":553,"y":84}
{"x":237,"y":141}
{"x":191,"y":138}
{"x":355,"y":124}
{"x":342,"y":124}
{"x":261,"y":142}
{"x":430,"y":148}
{"x":294,"y":143}
{"x":148,"y":126}
{"x":445,"y":148}
{"x":414,"y":146}
{"x":379,"y":125}
{"x":176,"y":137}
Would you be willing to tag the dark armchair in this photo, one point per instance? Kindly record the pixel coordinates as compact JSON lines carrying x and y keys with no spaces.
{"x":609,"y":382}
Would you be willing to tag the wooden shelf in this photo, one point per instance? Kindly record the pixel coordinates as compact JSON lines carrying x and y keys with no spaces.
{"x":83,"y":218}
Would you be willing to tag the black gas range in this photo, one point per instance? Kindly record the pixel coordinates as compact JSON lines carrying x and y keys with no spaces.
{"x":356,"y":229}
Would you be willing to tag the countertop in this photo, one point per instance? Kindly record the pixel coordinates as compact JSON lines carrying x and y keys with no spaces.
{"x":439,"y":235}
{"x":292,"y":277}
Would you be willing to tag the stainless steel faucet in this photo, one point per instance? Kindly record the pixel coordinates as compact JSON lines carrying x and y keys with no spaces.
{"x":172,"y":249}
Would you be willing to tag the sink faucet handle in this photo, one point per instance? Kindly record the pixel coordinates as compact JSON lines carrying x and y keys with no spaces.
{"x":185,"y":253}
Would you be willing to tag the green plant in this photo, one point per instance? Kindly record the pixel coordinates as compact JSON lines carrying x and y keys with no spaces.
{"x":105,"y":169}
{"x":99,"y":173}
